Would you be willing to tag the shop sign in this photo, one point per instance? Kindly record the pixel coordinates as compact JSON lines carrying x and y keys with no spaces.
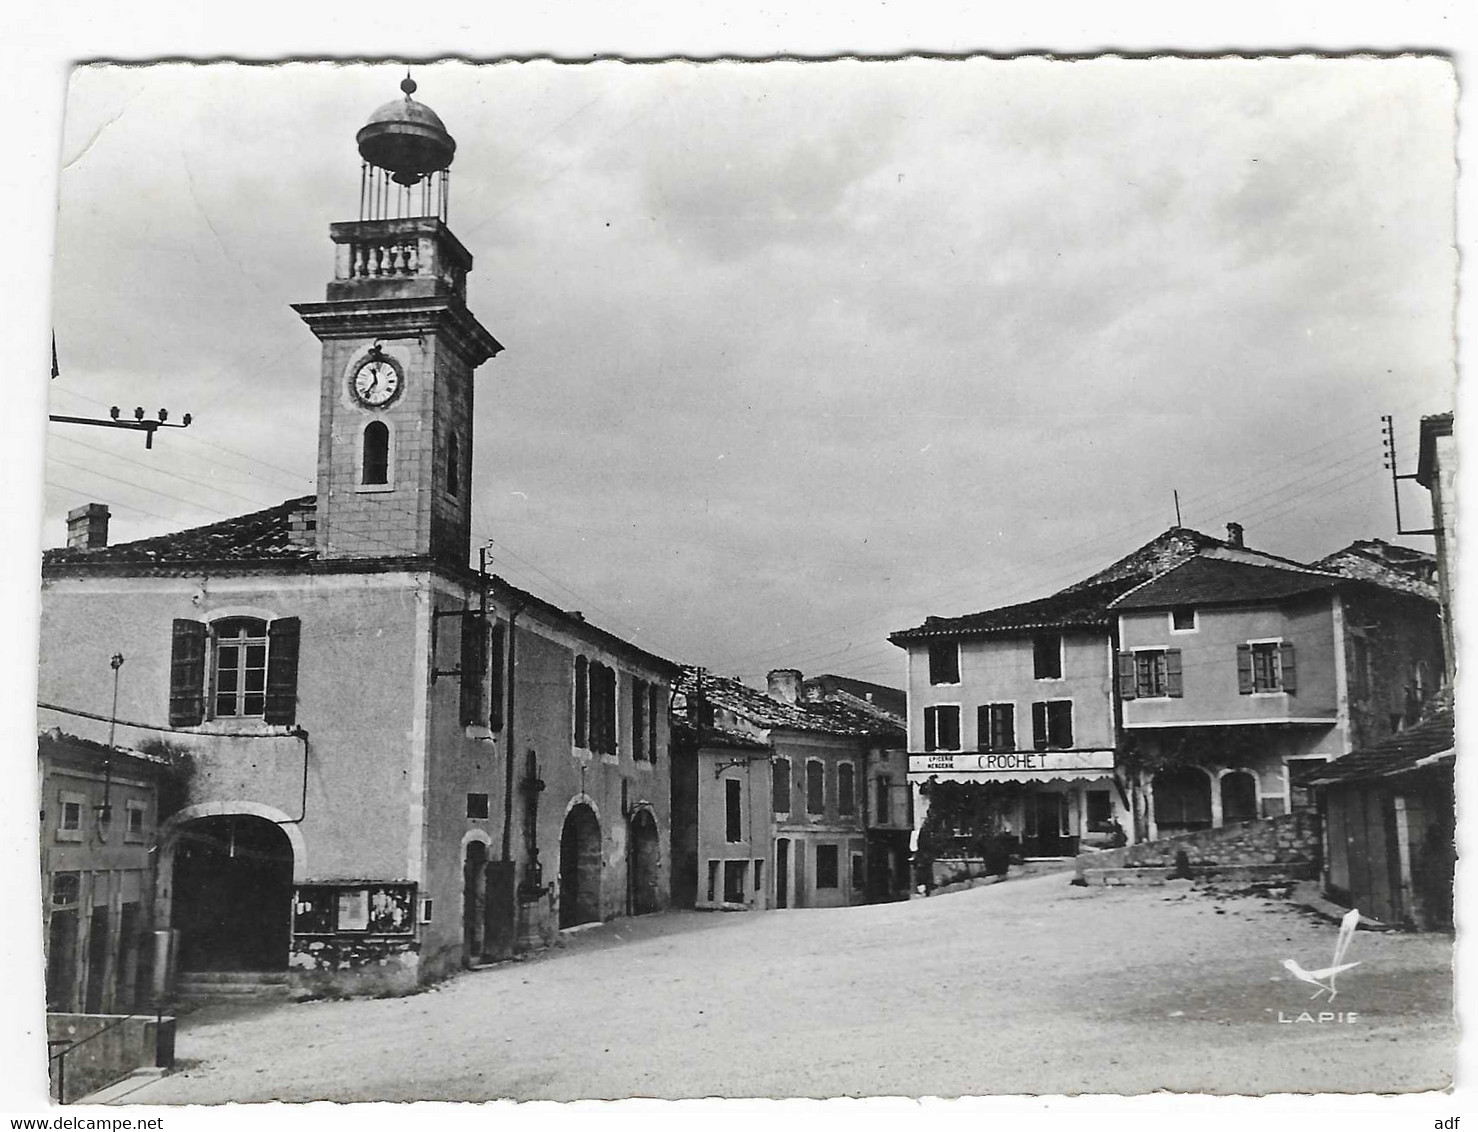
{"x":1008,"y":762}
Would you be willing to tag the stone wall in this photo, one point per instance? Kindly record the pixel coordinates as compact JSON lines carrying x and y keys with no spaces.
{"x":103,"y":1048}
{"x":1290,"y":839}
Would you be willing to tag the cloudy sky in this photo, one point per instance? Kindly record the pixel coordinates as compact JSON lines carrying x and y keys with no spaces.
{"x":796,"y":354}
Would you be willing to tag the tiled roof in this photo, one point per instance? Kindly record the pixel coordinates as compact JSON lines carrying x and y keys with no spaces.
{"x":1400,"y":568}
{"x":723,"y":737}
{"x":260,"y":536}
{"x":762,"y":711}
{"x":1428,"y":742}
{"x":1220,"y":581}
{"x":1082,"y":605}
{"x":265,"y":536}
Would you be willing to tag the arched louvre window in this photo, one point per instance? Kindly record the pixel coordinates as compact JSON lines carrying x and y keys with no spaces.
{"x":376,"y":468}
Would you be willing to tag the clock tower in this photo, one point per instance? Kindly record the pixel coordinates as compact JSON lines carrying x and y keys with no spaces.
{"x":399,"y":351}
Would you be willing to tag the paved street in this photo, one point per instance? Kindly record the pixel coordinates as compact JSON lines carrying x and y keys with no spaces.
{"x":1027,"y":987}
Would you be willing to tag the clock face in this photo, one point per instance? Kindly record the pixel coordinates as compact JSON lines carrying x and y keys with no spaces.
{"x":376,"y":381}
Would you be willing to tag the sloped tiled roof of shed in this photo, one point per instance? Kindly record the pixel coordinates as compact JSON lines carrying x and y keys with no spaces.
{"x":824,"y":717}
{"x":259,"y":536}
{"x":1431,"y":740}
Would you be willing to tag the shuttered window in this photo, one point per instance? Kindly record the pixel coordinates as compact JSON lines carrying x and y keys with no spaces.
{"x":497,"y":675}
{"x":780,"y":786}
{"x":944,"y":662}
{"x":582,"y":680}
{"x":942,"y":728}
{"x":815,"y":788}
{"x":187,"y":674}
{"x":846,"y":787}
{"x":474,"y":666}
{"x":733,"y":810}
{"x":654,"y":703}
{"x":639,"y":720}
{"x":1266,"y":666}
{"x":1052,"y":725}
{"x":995,"y":727}
{"x":237,"y":668}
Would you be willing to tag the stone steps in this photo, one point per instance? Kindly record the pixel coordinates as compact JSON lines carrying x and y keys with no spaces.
{"x":216,"y":986}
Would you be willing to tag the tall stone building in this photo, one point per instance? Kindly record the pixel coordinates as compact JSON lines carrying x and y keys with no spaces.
{"x":399,"y":764}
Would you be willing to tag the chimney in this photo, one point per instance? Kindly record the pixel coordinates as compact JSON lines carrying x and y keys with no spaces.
{"x":87,"y":526}
{"x":1234,"y":534}
{"x":785,"y":684}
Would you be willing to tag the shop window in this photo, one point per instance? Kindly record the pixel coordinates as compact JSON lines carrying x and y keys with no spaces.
{"x":944,"y":662}
{"x":942,"y":728}
{"x":736,"y":874}
{"x":826,"y":866}
{"x":1047,"y":656}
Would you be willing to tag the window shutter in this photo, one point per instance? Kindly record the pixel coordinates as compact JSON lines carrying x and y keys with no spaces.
{"x":282,"y":671}
{"x":1127,"y":688}
{"x":1244,"y":669}
{"x":582,"y":699}
{"x":1008,"y":727}
{"x":984,"y":741}
{"x":1173,"y":683}
{"x":474,"y":666}
{"x":931,"y":729}
{"x":654,"y":701}
{"x":1039,"y":726}
{"x":1060,"y":724}
{"x":1287,"y":672}
{"x":497,"y":675}
{"x":187,"y":674}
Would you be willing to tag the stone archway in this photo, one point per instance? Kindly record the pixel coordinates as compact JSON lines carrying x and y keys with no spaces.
{"x":1238,"y":797}
{"x":1182,"y":800}
{"x":645,"y":863}
{"x":232,"y":893}
{"x":579,"y":867}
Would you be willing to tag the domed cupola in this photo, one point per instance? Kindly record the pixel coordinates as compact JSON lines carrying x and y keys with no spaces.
{"x":406,"y":151}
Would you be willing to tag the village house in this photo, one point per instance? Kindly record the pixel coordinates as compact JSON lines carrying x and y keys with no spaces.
{"x":100,"y":809}
{"x":1052,"y":714}
{"x":398,"y":764}
{"x":787,"y":798}
{"x":1234,"y":676}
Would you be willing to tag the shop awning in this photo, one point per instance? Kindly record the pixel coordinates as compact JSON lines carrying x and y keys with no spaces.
{"x":1072,"y":775}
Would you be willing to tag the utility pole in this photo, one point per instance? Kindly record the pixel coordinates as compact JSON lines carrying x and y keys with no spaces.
{"x":114,"y":419}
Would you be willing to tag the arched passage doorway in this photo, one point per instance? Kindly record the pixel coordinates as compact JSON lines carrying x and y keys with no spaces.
{"x":233,"y":884}
{"x":474,"y":888}
{"x":1182,"y":800}
{"x":1238,"y":797}
{"x":579,"y":868}
{"x":645,"y":863}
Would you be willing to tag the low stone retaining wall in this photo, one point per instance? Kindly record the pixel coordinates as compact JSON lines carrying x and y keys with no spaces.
{"x":88,"y":1051}
{"x":1286,"y":846}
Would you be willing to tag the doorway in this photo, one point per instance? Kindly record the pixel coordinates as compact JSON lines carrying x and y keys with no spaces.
{"x":1182,"y":800}
{"x":233,"y":884}
{"x":782,"y":872}
{"x":474,"y":889}
{"x":1238,"y":797}
{"x":645,"y":864}
{"x":579,"y":868}
{"x":1047,"y":826}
